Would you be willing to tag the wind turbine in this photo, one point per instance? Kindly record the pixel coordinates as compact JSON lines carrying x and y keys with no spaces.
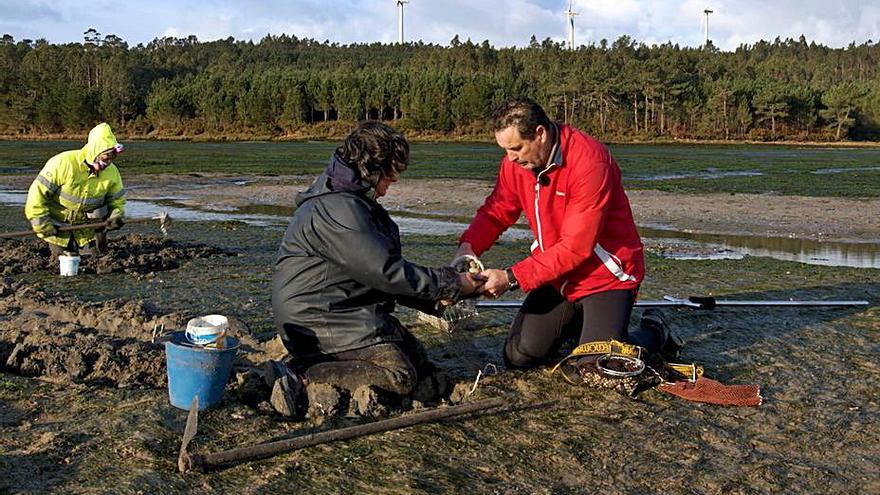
{"x":570,"y":15}
{"x":400,"y":20}
{"x":706,"y":37}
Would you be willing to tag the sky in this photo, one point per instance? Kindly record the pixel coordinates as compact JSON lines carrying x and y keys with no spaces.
{"x":834,"y":23}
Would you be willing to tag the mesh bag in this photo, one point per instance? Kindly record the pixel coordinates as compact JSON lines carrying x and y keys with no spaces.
{"x":630,"y":386}
{"x":713,"y":392}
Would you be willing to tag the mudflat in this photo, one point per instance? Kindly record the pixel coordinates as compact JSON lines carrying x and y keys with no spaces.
{"x":83,"y":407}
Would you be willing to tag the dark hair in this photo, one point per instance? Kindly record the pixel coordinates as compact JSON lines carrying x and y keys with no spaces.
{"x":522,"y":113}
{"x":375,"y":150}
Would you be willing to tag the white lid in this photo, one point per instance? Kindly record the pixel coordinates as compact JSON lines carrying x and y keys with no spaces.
{"x":207,"y":325}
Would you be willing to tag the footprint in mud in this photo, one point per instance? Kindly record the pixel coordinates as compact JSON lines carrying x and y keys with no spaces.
{"x":132,"y":253}
{"x":64,"y":339}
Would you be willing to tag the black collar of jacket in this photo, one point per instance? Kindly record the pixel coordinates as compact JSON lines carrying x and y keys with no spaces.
{"x":555,"y":159}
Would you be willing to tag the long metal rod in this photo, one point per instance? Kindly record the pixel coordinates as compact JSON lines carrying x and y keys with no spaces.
{"x":261,"y":451}
{"x":694,"y":302}
{"x":790,"y":303}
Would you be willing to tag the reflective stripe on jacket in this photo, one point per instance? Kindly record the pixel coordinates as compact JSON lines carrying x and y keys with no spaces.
{"x":66,"y":193}
{"x":585,"y":237}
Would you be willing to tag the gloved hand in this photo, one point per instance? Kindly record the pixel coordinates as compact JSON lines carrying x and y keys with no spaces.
{"x":46,"y":229}
{"x":464,"y":249}
{"x":114,"y":221}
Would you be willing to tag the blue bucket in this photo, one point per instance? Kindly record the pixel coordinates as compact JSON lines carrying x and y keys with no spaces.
{"x":195,"y":370}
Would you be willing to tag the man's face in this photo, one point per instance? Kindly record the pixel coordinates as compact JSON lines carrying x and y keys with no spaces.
{"x":104,"y":160}
{"x":530,"y":154}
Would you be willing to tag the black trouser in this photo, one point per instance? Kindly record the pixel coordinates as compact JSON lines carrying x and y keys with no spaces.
{"x":547,"y":320}
{"x":391,"y":366}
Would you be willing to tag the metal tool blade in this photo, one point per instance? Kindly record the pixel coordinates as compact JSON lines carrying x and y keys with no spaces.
{"x":189,"y":432}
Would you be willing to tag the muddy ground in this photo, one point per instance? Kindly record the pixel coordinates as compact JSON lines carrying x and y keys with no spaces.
{"x":83,"y":407}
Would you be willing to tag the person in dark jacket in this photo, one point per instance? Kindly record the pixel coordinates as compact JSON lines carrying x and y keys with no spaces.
{"x":340,"y":273}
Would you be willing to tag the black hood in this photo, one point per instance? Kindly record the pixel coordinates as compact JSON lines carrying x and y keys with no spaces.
{"x":337,"y":177}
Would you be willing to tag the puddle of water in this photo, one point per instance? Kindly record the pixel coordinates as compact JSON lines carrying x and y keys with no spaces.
{"x":683,"y":249}
{"x":717,"y":246}
{"x":707,"y":174}
{"x":270,"y":216}
{"x":823,"y":171}
{"x":425,"y":226}
{"x":139,"y":208}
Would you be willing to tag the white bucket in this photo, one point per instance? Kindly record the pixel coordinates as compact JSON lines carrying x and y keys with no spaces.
{"x":207,"y":330}
{"x":68,"y":266}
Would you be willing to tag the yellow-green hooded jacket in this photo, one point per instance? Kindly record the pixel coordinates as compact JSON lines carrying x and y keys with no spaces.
{"x":66,"y":193}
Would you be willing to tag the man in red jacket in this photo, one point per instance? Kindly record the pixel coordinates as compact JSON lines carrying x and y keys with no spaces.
{"x":586,"y":262}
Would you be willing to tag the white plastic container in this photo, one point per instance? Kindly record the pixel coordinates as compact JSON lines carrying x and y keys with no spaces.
{"x":207,"y":330}
{"x":68,"y":266}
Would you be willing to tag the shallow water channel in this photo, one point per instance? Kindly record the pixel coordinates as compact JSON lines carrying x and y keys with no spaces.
{"x":676,"y":244}
{"x":701,"y":246}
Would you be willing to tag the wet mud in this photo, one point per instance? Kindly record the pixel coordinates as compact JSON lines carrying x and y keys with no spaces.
{"x":83,"y":403}
{"x":132,"y":253}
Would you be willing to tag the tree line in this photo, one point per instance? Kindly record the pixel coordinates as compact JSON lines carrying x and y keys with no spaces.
{"x":785,"y":89}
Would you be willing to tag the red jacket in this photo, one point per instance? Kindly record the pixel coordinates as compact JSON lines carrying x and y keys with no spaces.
{"x":585,"y":237}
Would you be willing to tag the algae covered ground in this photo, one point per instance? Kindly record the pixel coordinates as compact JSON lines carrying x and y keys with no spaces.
{"x":737,"y":168}
{"x":83,"y":408}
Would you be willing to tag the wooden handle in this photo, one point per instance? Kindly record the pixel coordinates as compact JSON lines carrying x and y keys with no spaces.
{"x":71,"y":228}
{"x":66,"y":228}
{"x":262,"y":451}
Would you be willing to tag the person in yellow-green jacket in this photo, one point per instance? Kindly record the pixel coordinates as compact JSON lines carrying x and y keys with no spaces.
{"x":77,"y":187}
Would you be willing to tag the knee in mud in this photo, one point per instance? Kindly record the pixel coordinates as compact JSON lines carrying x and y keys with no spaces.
{"x":400,"y":375}
{"x":400,"y":381}
{"x":514,"y":357}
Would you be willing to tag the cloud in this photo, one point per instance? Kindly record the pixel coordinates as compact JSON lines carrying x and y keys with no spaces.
{"x":16,"y":13}
{"x":502,"y":22}
{"x":15,"y":10}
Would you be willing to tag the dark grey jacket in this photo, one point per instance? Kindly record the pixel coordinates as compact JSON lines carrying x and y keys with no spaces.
{"x":340,"y":270}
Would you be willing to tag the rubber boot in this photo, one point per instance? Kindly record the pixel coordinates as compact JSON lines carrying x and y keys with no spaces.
{"x":670,"y":344}
{"x":287,"y":388}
